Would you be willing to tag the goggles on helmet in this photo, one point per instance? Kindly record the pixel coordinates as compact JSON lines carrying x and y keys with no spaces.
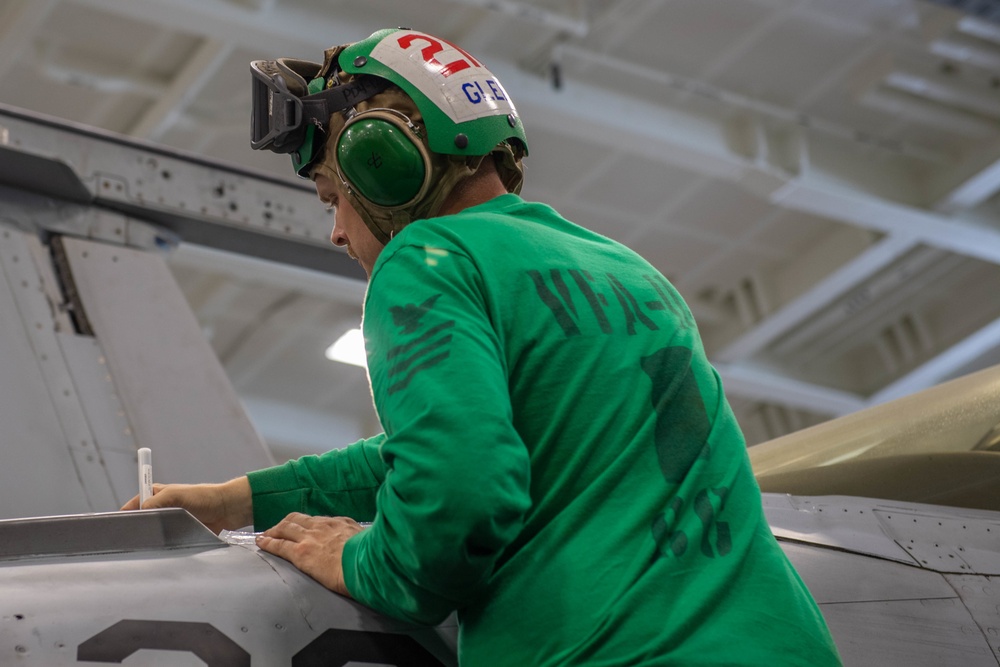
{"x":292,"y":103}
{"x":399,"y":119}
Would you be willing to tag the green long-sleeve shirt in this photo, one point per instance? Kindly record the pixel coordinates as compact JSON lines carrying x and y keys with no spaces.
{"x":559,"y":462}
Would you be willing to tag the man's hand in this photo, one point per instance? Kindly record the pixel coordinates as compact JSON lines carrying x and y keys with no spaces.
{"x":218,"y":506}
{"x":314,"y":544}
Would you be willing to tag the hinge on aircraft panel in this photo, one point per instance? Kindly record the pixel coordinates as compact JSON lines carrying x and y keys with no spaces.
{"x":71,"y":297}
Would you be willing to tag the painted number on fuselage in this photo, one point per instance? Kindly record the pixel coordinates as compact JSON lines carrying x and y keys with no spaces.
{"x":362,"y":647}
{"x":333,"y":648}
{"x":126,"y":637}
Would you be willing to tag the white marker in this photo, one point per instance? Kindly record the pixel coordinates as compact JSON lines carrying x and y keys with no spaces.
{"x":145,"y":475}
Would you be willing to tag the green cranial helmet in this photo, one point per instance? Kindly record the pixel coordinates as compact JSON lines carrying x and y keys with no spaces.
{"x":465,"y":109}
{"x":407,"y":116}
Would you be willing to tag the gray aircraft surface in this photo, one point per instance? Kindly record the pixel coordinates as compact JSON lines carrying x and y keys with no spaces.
{"x":910,"y":578}
{"x":129,"y":587}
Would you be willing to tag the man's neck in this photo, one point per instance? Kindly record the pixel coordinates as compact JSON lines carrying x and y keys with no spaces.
{"x":477,"y":189}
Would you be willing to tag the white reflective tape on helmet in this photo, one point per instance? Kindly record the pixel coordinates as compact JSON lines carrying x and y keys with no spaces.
{"x":453,"y":80}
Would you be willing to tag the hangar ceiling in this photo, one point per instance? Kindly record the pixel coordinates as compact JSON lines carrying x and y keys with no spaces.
{"x":819,"y":178}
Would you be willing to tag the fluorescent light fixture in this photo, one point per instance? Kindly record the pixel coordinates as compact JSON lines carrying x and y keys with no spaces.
{"x":349,"y":349}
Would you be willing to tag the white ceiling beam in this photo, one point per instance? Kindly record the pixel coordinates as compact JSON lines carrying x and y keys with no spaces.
{"x":617,"y":27}
{"x":973,"y":191}
{"x":670,"y":135}
{"x":864,"y":210}
{"x":270,"y":31}
{"x":113,"y":84}
{"x":816,"y":298}
{"x":747,"y":40}
{"x":755,"y":384}
{"x":943,"y":365}
{"x":699,"y":144}
{"x":832,"y":328}
{"x":592,"y":114}
{"x":596,"y":117}
{"x":926,"y":112}
{"x":196,"y":73}
{"x":535,"y":15}
{"x":965,"y":52}
{"x":945,"y":92}
{"x":760,"y":385}
{"x":979,"y":28}
{"x":674,"y":136}
{"x":728,"y":101}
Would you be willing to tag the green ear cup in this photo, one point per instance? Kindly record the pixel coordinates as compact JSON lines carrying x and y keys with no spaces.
{"x":381,"y":162}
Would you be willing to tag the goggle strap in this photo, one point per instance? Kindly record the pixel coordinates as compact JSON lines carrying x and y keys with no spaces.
{"x":318,"y":107}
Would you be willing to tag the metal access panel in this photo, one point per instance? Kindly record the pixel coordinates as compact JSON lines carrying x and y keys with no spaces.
{"x":99,"y":352}
{"x":39,"y":473}
{"x":177,"y":397}
{"x":914,"y":633}
{"x":130,"y":368}
{"x":883,"y":612}
{"x":981,"y":596}
{"x":898,"y":583}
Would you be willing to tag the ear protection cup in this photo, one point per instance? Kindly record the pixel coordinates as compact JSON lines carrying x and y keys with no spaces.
{"x":381,"y":157}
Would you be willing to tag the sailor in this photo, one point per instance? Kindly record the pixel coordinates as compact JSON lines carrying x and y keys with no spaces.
{"x":559,"y":464}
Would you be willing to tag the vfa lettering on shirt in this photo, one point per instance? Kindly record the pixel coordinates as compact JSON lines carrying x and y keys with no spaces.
{"x":583,"y":303}
{"x":436,"y":66}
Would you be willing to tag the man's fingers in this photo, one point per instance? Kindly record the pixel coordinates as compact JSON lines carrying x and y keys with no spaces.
{"x":299,"y":519}
{"x":288,"y":529}
{"x":313,"y":544}
{"x":133,"y":504}
{"x":295,"y":552}
{"x":277,"y":546}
